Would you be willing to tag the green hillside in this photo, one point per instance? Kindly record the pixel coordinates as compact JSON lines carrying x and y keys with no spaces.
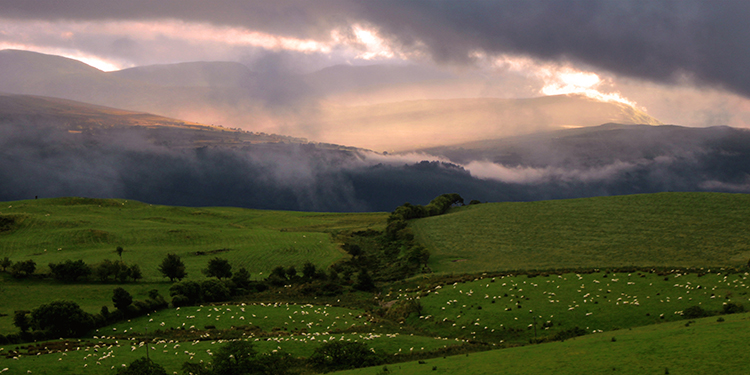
{"x":54,"y":230}
{"x":703,"y":347}
{"x":667,"y":229}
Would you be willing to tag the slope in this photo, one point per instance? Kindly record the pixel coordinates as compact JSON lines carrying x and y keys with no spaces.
{"x":655,"y":230}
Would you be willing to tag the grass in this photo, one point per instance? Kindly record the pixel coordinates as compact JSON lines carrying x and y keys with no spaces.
{"x":505,"y":309}
{"x":705,"y":347}
{"x":295,"y":329}
{"x":667,"y":229}
{"x":54,"y":230}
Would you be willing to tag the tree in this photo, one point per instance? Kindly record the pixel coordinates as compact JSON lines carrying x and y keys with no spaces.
{"x":62,"y":319}
{"x":235,"y":357}
{"x":135,"y":272}
{"x":309,"y":271}
{"x":119,"y":252}
{"x":241,"y":278}
{"x":121,"y":299}
{"x":291,"y":273}
{"x":22,"y":320}
{"x":23,"y":268}
{"x":70,"y":271}
{"x":185,"y":293}
{"x":342,"y":355}
{"x":5,"y":263}
{"x":142,"y":366}
{"x":214,"y":291}
{"x":219,"y":268}
{"x":173,"y":268}
{"x":364,"y":281}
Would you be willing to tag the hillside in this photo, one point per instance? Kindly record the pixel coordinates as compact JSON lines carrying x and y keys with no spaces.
{"x":656,"y":230}
{"x":601,"y":145}
{"x":328,"y":106}
{"x":55,"y":230}
{"x":402,"y":126}
{"x":658,"y":349}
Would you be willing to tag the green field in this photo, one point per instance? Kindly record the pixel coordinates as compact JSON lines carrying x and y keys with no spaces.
{"x":654,"y":230}
{"x":704,"y":347}
{"x":659,"y":236}
{"x":55,"y":230}
{"x":506,"y":308}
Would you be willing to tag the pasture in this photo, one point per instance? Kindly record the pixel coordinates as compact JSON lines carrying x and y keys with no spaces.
{"x":55,"y":230}
{"x":291,"y":328}
{"x":651,"y":230}
{"x":516,"y":309}
{"x":704,"y":347}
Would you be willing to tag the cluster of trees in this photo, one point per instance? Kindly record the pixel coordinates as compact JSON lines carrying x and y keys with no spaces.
{"x":18,"y":269}
{"x":240,"y":358}
{"x":67,"y":319}
{"x":106,"y":271}
{"x":75,"y":270}
{"x":393,"y":254}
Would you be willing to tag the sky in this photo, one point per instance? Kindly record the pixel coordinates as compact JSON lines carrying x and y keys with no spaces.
{"x":684,"y":62}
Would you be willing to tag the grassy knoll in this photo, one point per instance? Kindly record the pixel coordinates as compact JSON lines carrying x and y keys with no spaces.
{"x":506,"y":308}
{"x":704,"y":347}
{"x":667,"y":229}
{"x":55,"y":230}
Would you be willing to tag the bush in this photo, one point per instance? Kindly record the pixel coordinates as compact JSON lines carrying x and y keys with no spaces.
{"x":189,"y":290}
{"x":70,"y":271}
{"x":121,"y":299}
{"x":214,"y":291}
{"x":694,"y":312}
{"x":732,"y":308}
{"x":142,"y":366}
{"x":342,"y":355}
{"x":62,"y":319}
{"x":23,"y":269}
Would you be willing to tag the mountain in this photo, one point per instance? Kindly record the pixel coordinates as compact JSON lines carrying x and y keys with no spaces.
{"x":351,"y":105}
{"x":429,"y":123}
{"x":53,"y":147}
{"x":592,"y":146}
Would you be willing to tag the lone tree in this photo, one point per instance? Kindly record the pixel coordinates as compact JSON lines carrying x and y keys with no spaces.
{"x":121,"y":299}
{"x":172,"y":267}
{"x":119,"y":251}
{"x":219,"y":268}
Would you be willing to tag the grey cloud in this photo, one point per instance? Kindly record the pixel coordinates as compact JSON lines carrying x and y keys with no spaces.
{"x":662,"y":41}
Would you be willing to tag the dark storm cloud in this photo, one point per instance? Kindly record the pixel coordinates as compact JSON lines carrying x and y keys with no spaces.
{"x":663,"y":41}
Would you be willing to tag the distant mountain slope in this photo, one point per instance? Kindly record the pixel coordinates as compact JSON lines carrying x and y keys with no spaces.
{"x":596,"y":145}
{"x":424,"y":123}
{"x":335,"y":105}
{"x":78,"y":117}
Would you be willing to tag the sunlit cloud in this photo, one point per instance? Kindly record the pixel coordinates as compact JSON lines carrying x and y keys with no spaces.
{"x":558,"y":79}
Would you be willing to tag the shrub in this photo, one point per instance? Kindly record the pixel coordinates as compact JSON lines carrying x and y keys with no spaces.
{"x":732,"y":308}
{"x":189,"y":290}
{"x":214,"y":291}
{"x":23,"y":269}
{"x":694,"y":312}
{"x":62,"y":319}
{"x":70,"y":271}
{"x":142,"y":366}
{"x":342,"y":355}
{"x":121,"y":299}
